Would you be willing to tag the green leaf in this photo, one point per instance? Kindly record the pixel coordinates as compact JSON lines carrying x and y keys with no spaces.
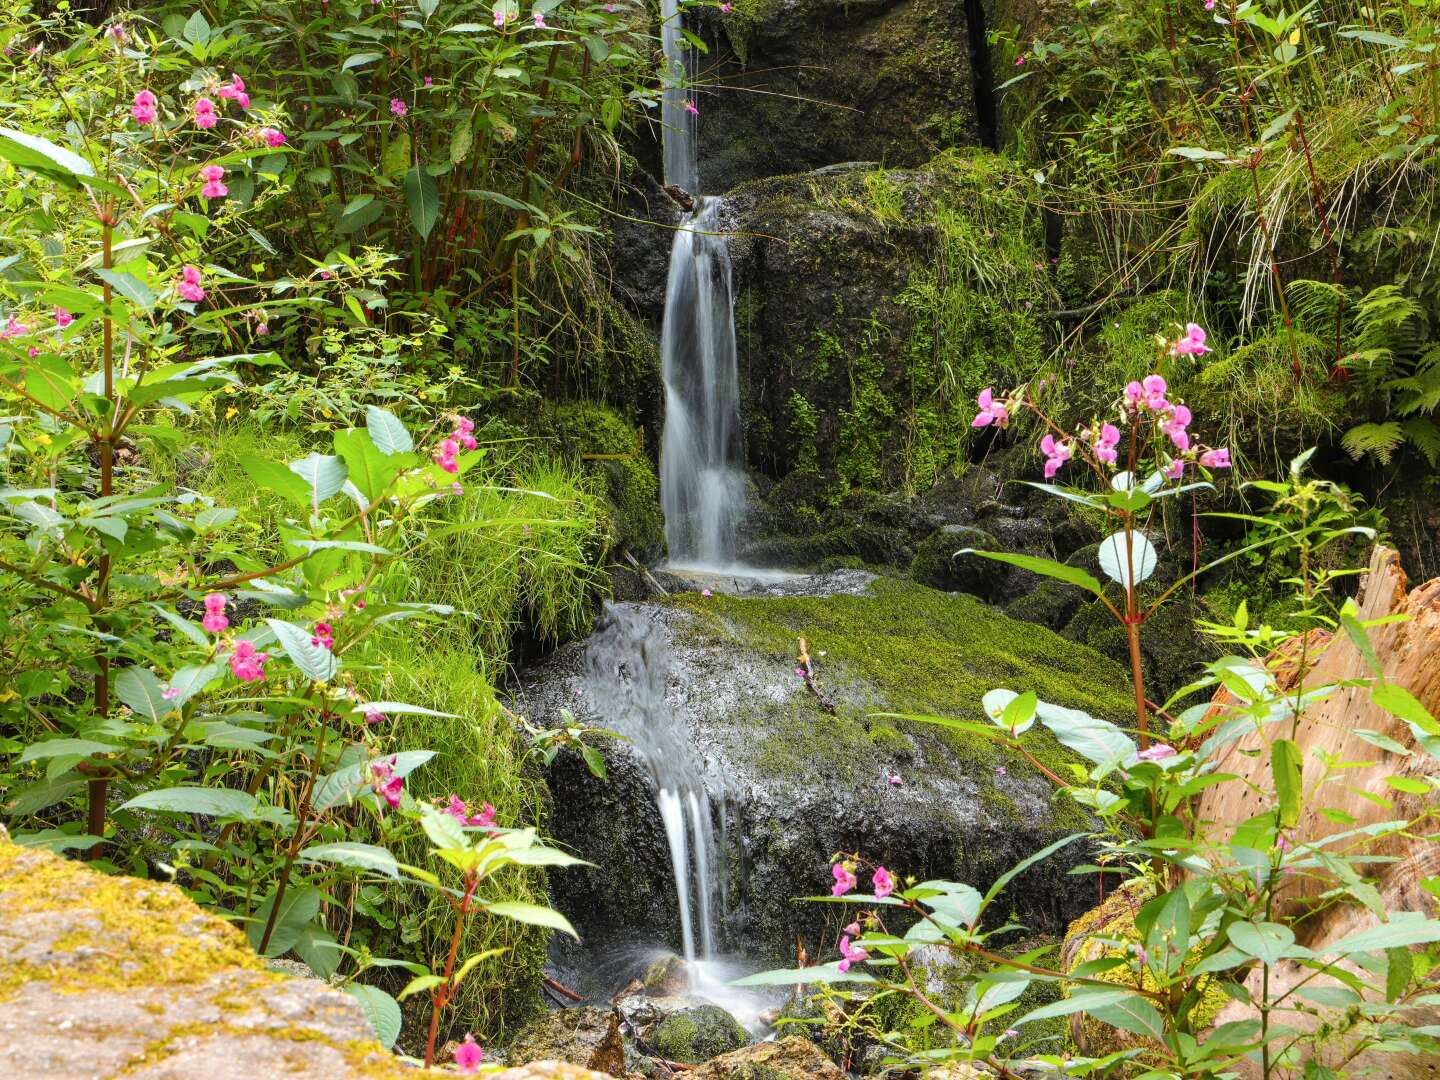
{"x":298,"y":908}
{"x":196,"y":30}
{"x":390,"y":707}
{"x":344,"y":784}
{"x":37,"y":797}
{"x":1081,"y":1001}
{"x":422,"y":196}
{"x":353,"y":854}
{"x":533,"y":915}
{"x":825,"y":973}
{"x":314,"y":661}
{"x":387,"y":432}
{"x":1400,"y":968}
{"x":1071,"y":575}
{"x":1092,"y":738}
{"x":1404,"y":928}
{"x":1268,"y":942}
{"x":211,"y":802}
{"x":275,"y":477}
{"x":34,"y":154}
{"x":324,"y":474}
{"x":1116,"y":557}
{"x":1195,"y":153}
{"x":129,"y":286}
{"x":355,"y":60}
{"x":1398,"y":701}
{"x":1285,"y":767}
{"x":143,"y":693}
{"x":64,"y":748}
{"x":368,"y":468}
{"x":1133,"y":1014}
{"x":419,"y":983}
{"x":460,"y":142}
{"x":443,"y":830}
{"x":191,"y":679}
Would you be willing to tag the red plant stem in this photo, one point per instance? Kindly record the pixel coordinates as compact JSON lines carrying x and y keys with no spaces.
{"x":440,"y":996}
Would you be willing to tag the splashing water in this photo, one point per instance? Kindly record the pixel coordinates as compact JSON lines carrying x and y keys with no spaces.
{"x":626,"y":676}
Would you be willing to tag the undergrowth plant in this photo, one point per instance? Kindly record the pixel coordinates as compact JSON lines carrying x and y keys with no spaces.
{"x":1213,"y":923}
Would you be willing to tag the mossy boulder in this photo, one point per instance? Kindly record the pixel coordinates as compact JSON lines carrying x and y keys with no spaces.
{"x":791,"y":1058}
{"x":115,"y":976}
{"x":793,"y":783}
{"x":698,"y":1034}
{"x":938,"y":565}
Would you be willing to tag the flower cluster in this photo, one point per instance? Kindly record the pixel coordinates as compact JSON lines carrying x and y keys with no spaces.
{"x":992,"y":411}
{"x":386,"y":784}
{"x":446,"y":454}
{"x":189,"y":285}
{"x":461,"y":813}
{"x":246,"y":664}
{"x":844,"y":879}
{"x":215,"y":621}
{"x":849,"y":953}
{"x":214,"y":188}
{"x":324,"y":636}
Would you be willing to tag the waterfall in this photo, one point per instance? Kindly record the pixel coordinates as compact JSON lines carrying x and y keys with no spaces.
{"x":702,"y":487}
{"x":626,"y":675}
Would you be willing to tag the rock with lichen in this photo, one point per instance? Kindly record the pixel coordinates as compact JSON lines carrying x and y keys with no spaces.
{"x":586,"y":1036}
{"x":790,"y":1058}
{"x":697,"y":1034}
{"x":109,"y":976}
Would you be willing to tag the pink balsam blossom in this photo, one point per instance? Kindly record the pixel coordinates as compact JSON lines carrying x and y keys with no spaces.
{"x":213,"y":176}
{"x":215,"y":621}
{"x":844,"y":879}
{"x":883,"y":882}
{"x":144,"y":109}
{"x":205,"y":113}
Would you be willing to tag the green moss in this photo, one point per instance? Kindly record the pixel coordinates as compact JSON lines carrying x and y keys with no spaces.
{"x":613,"y":450}
{"x":698,"y":1034}
{"x":906,"y":649}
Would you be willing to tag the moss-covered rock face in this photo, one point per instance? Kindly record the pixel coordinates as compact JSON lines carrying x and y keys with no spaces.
{"x":808,"y":83}
{"x":875,"y":305}
{"x":795,"y":783}
{"x":113,"y":976}
{"x":587,"y":1036}
{"x":792,"y":1058}
{"x":698,"y":1034}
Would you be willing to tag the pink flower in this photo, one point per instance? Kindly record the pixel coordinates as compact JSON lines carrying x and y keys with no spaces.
{"x":883,"y":882}
{"x":463,"y":427}
{"x":1056,"y":454}
{"x":429,"y":82}
{"x":690,"y":108}
{"x":461,"y":813}
{"x":386,"y":784}
{"x":853,"y":930}
{"x":234,"y":91}
{"x":991,"y":411}
{"x":1176,"y":425}
{"x":1192,"y":343}
{"x":324,"y":636}
{"x":706,"y":593}
{"x":1133,"y":393}
{"x":189,"y":286}
{"x":215,"y":621}
{"x":1019,"y":61}
{"x":398,"y":107}
{"x":468,"y":1055}
{"x":246,"y":664}
{"x":1216,"y":459}
{"x":1105,"y":443}
{"x":726,"y":8}
{"x":502,"y":16}
{"x":893,"y":780}
{"x":540,"y":20}
{"x":844,"y":880}
{"x":1158,"y":752}
{"x":13,"y":328}
{"x":213,"y":189}
{"x":262,"y":329}
{"x":444,"y":455}
{"x":63,"y":318}
{"x":272,"y":137}
{"x":144,"y":110}
{"x":373,"y":717}
{"x":116,"y":31}
{"x":1175,"y":469}
{"x":170,"y":693}
{"x":852,"y":954}
{"x":1209,"y":5}
{"x":1154,"y":387}
{"x":205,"y":113}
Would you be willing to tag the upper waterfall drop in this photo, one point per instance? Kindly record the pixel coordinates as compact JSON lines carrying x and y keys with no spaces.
{"x":702,"y":486}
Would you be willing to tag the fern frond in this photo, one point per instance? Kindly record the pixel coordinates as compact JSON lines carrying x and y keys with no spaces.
{"x":1314,"y":304}
{"x":1375,"y":440}
{"x":1424,"y":435}
{"x":1418,"y":393}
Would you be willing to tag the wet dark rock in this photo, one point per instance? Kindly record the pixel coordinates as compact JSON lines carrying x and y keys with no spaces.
{"x":807,"y":83}
{"x":586,"y":1036}
{"x":790,"y":783}
{"x":938,"y":564}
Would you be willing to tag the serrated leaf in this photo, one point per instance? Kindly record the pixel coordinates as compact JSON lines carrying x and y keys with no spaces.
{"x":353,"y":854}
{"x":387,"y":432}
{"x":298,"y":908}
{"x":129,"y":286}
{"x":422,"y":197}
{"x":533,"y":915}
{"x":208,"y":801}
{"x":50,"y":748}
{"x":142,"y":693}
{"x":314,"y":661}
{"x":323,"y":473}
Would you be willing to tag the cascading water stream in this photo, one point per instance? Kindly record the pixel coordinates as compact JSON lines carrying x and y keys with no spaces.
{"x":702,"y":488}
{"x":626,"y":675}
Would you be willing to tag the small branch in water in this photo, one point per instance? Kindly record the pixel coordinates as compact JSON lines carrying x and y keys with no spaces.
{"x":807,"y":672}
{"x":562,"y":989}
{"x":680,"y":197}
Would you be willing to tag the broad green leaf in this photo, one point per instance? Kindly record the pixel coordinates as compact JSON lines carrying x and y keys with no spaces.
{"x":824,"y":973}
{"x":1398,"y":701}
{"x":355,"y":60}
{"x":1404,"y":928}
{"x":443,"y":830}
{"x":370,"y":470}
{"x":189,"y":680}
{"x":1081,"y":1001}
{"x":324,"y":474}
{"x":211,"y":802}
{"x":387,"y":432}
{"x":354,"y":854}
{"x":422,"y":197}
{"x":1092,"y":738}
{"x":314,"y":661}
{"x":298,"y":909}
{"x":1285,"y":767}
{"x":37,"y":797}
{"x":533,"y":915}
{"x":1268,"y":942}
{"x":1116,"y":559}
{"x":142,"y":693}
{"x":34,"y":154}
{"x":275,"y":477}
{"x":345,"y":783}
{"x":1133,"y":1014}
{"x":50,"y":748}
{"x":129,"y":286}
{"x":419,"y":983}
{"x":1071,"y":575}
